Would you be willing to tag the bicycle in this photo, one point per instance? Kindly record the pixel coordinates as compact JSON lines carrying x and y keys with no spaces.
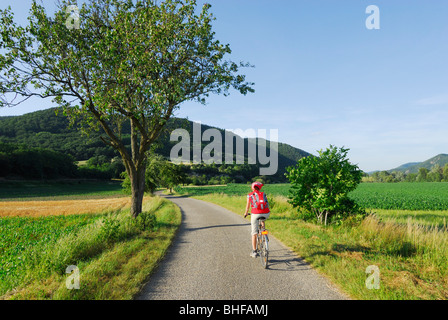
{"x":263,"y":242}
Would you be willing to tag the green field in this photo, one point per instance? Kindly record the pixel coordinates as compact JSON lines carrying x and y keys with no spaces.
{"x":402,"y":195}
{"x":20,"y":236}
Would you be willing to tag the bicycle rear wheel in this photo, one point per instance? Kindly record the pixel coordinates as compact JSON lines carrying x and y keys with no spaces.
{"x":264,"y":251}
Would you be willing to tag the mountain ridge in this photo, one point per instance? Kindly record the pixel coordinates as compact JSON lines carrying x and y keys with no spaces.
{"x":412,"y":167}
{"x":50,"y":130}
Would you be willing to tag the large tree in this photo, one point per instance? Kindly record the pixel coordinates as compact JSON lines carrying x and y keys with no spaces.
{"x":112,"y":61}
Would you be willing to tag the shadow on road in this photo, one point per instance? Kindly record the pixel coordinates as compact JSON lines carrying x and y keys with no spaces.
{"x":218,"y":226}
{"x":283,"y":260}
{"x":170,"y":196}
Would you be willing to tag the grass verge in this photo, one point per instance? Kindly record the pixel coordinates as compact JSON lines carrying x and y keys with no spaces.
{"x":113,"y":252}
{"x":412,"y":259}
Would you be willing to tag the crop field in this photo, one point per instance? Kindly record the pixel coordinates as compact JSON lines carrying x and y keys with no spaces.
{"x":403,"y":195}
{"x":61,"y":207}
{"x":20,"y":235}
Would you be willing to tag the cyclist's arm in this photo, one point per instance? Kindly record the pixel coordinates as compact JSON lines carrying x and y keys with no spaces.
{"x":247,"y":207}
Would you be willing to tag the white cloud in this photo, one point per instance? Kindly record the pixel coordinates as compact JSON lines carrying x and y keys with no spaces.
{"x":434,"y":100}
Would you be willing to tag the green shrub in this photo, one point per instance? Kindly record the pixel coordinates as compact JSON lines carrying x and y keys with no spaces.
{"x":321,"y":185}
{"x":110,"y":229}
{"x":146,"y":221}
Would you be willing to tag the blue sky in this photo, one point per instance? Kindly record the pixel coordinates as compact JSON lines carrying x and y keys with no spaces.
{"x":321,"y":77}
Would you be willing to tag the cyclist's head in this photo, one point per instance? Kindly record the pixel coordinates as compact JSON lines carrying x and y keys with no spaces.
{"x":257,"y":185}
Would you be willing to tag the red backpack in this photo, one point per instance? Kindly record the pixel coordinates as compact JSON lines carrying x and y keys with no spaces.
{"x":258,"y":202}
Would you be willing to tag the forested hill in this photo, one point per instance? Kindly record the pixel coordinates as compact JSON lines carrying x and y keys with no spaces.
{"x":46,"y":129}
{"x":440,"y":160}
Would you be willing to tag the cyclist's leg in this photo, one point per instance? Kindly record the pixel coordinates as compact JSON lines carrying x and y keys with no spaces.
{"x":254,"y":233}
{"x":254,"y":223}
{"x":265,"y":216}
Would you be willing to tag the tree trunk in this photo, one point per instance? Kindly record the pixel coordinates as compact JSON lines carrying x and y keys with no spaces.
{"x":138,"y":190}
{"x":319,"y":216}
{"x":137,"y":169}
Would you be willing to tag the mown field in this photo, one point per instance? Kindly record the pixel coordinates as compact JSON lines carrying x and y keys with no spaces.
{"x":50,"y":231}
{"x":408,"y":246}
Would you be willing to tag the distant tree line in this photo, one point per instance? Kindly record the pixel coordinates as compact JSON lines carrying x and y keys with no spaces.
{"x":35,"y":163}
{"x":436,"y":174}
{"x":202,"y":174}
{"x":22,"y":162}
{"x":101,"y":167}
{"x":165,"y":174}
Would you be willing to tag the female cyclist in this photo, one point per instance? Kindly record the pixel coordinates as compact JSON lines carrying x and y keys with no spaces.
{"x":258,"y":203}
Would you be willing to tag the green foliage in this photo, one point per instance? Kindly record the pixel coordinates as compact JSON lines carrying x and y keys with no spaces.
{"x":146,"y":221}
{"x":20,"y":161}
{"x":159,"y":173}
{"x":440,"y":160}
{"x":445,"y":173}
{"x":110,"y":229}
{"x":321,"y":184}
{"x":203,"y":174}
{"x":50,"y":129}
{"x":34,"y":163}
{"x":101,"y":167}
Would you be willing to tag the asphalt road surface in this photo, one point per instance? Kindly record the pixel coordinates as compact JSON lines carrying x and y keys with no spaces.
{"x":209,"y":260}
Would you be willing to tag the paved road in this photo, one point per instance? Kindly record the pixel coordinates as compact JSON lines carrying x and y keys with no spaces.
{"x":210,"y":261}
